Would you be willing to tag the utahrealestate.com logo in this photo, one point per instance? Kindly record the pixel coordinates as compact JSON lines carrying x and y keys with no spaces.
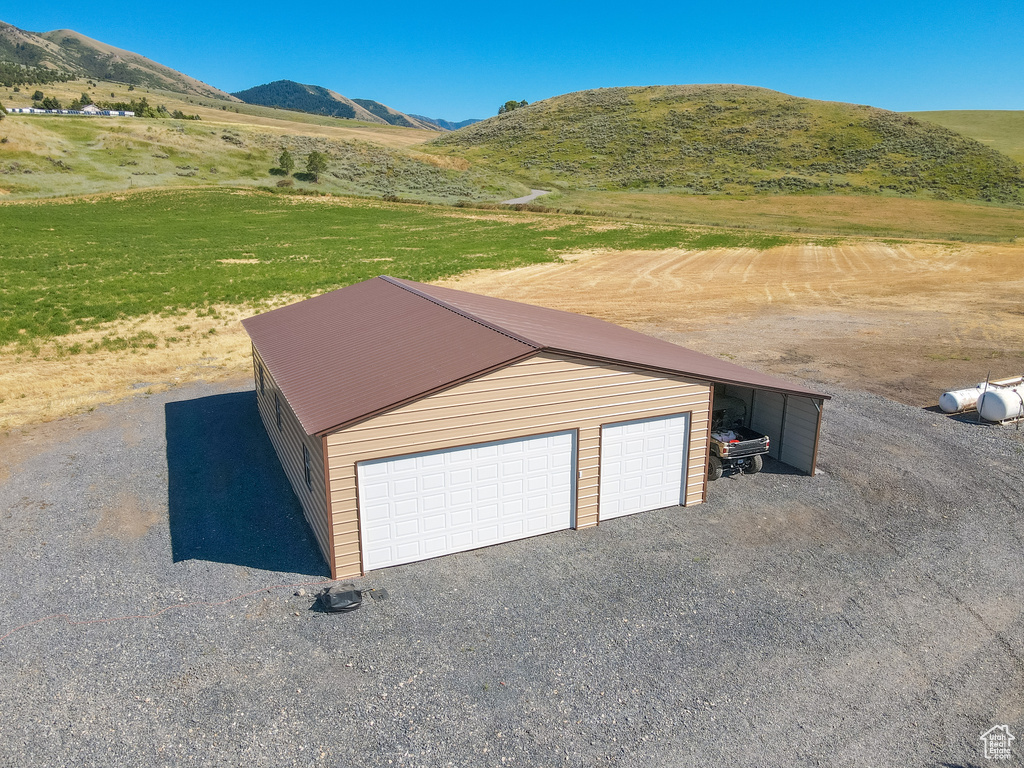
{"x":997,"y":742}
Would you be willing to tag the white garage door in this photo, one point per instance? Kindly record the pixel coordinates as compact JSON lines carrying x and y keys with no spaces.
{"x":643,"y":465}
{"x":428,"y":504}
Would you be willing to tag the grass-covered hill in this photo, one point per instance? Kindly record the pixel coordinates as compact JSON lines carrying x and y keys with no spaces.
{"x":64,"y":50}
{"x":732,"y":139}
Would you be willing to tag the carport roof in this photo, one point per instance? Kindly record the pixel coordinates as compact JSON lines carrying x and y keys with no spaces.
{"x":358,"y":351}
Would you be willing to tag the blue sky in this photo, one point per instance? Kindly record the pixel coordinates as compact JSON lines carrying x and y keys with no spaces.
{"x":458,"y":60}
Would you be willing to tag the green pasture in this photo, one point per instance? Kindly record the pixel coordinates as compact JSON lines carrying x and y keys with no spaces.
{"x":1000,"y":129}
{"x":73,"y":265}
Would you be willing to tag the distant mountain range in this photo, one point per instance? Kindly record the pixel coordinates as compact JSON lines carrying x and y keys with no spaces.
{"x":445,"y":125}
{"x":317,"y":100}
{"x":64,"y":50}
{"x":69,"y":51}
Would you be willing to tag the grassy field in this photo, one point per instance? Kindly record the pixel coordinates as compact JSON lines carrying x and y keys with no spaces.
{"x":1003,"y":130}
{"x":74,"y":265}
{"x":857,"y":215}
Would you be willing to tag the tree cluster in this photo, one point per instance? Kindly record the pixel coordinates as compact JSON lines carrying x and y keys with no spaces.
{"x":316,"y":163}
{"x":509,"y":106}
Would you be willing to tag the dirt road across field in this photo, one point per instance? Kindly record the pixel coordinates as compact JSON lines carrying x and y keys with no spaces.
{"x":907,"y":321}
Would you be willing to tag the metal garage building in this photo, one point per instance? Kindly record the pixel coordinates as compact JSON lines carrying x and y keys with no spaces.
{"x":415,"y":421}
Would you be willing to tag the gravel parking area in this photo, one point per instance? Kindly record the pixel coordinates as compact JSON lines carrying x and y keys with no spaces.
{"x":867,"y":616}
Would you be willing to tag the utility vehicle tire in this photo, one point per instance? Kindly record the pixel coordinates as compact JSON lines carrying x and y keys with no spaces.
{"x":714,"y":468}
{"x":755,"y":465}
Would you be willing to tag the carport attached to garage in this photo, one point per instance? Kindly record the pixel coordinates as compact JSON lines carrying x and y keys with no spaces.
{"x":792,"y":422}
{"x":415,"y":421}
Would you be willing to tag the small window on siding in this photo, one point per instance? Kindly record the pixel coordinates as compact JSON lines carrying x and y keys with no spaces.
{"x":307,"y":459}
{"x":263,"y":383}
{"x":277,"y":410}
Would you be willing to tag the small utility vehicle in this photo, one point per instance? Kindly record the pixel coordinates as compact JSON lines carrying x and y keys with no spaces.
{"x":734,"y":446}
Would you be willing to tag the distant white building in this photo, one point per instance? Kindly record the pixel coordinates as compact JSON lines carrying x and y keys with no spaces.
{"x":90,"y":110}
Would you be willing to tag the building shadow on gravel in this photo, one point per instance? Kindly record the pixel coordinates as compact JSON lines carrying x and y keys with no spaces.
{"x":776,"y":467}
{"x":228,"y":497}
{"x":771,"y":467}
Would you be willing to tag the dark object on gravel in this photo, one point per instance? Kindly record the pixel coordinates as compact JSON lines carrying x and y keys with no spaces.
{"x":340,"y":600}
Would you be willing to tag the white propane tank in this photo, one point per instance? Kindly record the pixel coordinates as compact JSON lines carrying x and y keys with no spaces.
{"x":958,"y":400}
{"x":1002,"y":403}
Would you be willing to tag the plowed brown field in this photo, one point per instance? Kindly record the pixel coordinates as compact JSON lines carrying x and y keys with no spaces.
{"x":906,"y":321}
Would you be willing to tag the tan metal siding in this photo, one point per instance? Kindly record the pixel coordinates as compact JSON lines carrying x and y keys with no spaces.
{"x":546,"y":393}
{"x":288,"y":442}
{"x":801,"y":434}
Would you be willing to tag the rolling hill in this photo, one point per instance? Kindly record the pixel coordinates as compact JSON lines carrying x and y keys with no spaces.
{"x":727,"y":139}
{"x":76,"y":54}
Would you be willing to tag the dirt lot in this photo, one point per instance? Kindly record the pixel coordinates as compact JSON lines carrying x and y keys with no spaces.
{"x":907,"y":321}
{"x":153,"y":554}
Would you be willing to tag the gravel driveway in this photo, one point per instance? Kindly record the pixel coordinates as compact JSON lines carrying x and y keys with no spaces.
{"x":868,"y":616}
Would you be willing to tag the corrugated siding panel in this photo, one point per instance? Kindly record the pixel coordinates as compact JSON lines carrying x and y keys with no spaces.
{"x":766,"y":418}
{"x":801,"y":433}
{"x":546,"y":393}
{"x":288,"y":441}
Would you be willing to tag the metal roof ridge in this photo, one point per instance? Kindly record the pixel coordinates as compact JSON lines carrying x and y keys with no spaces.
{"x":463,"y":313}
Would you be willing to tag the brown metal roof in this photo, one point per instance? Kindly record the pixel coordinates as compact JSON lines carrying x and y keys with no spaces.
{"x":585,"y":336}
{"x":358,"y":351}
